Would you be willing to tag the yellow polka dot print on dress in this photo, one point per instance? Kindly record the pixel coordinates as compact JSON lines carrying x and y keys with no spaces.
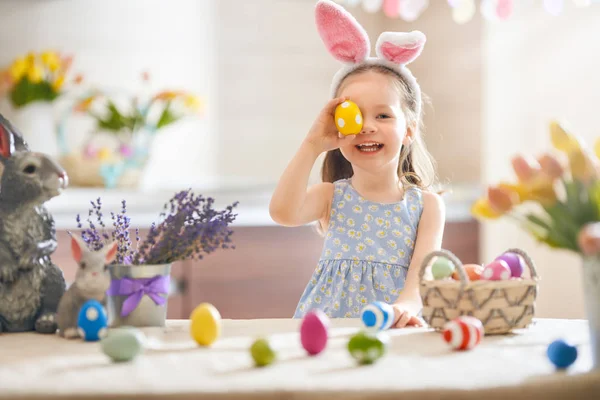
{"x":348,"y":118}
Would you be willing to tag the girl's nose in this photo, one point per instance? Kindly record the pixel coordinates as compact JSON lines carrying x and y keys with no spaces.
{"x":368,"y":127}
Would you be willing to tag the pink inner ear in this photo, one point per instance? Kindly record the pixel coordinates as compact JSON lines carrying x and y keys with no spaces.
{"x":400,"y":55}
{"x":344,"y":38}
{"x":5,"y":142}
{"x":75,"y":250}
{"x":111,"y":253}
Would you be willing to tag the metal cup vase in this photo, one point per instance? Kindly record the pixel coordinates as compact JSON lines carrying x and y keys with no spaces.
{"x":138,"y":295}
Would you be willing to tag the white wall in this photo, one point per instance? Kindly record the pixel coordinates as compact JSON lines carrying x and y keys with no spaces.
{"x":538,"y":68}
{"x":113,"y":41}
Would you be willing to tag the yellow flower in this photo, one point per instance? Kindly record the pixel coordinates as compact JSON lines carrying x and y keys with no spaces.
{"x":104,"y":154}
{"x":34,"y":74}
{"x":502,"y":200}
{"x":57,"y":84}
{"x":483,"y":209}
{"x":51,"y":60}
{"x":561,"y":139}
{"x":580,"y":164}
{"x":18,"y":69}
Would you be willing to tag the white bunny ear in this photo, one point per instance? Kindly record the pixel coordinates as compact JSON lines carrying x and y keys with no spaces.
{"x":400,"y":47}
{"x":343,"y":36}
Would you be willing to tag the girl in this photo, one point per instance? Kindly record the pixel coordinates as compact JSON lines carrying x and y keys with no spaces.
{"x":374,"y":204}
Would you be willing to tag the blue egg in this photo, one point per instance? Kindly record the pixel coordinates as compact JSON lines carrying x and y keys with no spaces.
{"x":561,"y":354}
{"x":377,"y":316}
{"x":92,"y":321}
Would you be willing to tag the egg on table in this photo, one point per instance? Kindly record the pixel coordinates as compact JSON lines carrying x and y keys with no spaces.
{"x":463,"y":333}
{"x":368,"y":347}
{"x":377,"y":316}
{"x":123,"y":344}
{"x":205,"y":324}
{"x":262,"y":352}
{"x":314,"y":332}
{"x":561,"y":354}
{"x":348,"y":118}
{"x":92,"y":321}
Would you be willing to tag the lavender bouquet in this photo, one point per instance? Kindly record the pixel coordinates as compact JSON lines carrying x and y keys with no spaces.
{"x":189,"y":227}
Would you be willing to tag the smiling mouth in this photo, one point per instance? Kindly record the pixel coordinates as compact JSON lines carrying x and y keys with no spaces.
{"x":370,"y":147}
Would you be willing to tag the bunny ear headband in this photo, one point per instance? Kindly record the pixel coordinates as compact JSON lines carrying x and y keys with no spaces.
{"x":10,"y":139}
{"x":348,"y":42}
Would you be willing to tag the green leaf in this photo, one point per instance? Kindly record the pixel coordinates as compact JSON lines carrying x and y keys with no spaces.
{"x":167,"y":117}
{"x":25,"y":92}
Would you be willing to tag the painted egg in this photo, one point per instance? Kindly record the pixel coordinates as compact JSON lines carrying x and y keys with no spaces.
{"x":496,"y":271}
{"x":442,"y":268}
{"x":205,"y":324}
{"x":123,"y":344}
{"x":368,"y":347}
{"x":262,"y":353}
{"x":348,"y":118}
{"x":92,"y":321}
{"x":515,"y":263}
{"x":561,"y":354}
{"x":463,"y":333}
{"x":314,"y":332}
{"x":104,"y":154}
{"x":473,"y":272}
{"x":377,"y":316}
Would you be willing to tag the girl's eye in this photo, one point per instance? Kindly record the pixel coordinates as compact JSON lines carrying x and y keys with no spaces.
{"x":383,"y":116}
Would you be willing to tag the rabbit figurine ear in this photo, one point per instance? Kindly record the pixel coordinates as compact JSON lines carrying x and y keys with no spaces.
{"x":343,"y":36}
{"x":400,"y":47}
{"x":10,"y":139}
{"x":110,"y":252}
{"x":77,"y":247}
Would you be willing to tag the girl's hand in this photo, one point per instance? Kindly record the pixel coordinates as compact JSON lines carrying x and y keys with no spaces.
{"x":404,"y":317}
{"x":323,"y":135}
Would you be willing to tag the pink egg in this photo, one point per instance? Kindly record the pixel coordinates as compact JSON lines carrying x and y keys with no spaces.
{"x":314,"y":332}
{"x":497,"y":270}
{"x":514,"y":262}
{"x":463,"y":333}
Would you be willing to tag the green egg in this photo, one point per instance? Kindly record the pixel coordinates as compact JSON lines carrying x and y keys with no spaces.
{"x":442,"y":268}
{"x":262,"y":352}
{"x":368,"y":347}
{"x":122,"y":344}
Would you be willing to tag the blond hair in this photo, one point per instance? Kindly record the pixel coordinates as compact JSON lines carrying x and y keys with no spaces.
{"x":416,"y":167}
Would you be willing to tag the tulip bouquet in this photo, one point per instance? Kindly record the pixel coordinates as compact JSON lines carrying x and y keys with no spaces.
{"x":556,"y":197}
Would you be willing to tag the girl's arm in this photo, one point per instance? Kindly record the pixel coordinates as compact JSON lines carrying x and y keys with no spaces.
{"x":292,"y":204}
{"x":429,"y":238}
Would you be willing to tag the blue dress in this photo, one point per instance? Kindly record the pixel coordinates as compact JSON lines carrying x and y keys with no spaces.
{"x":366,"y":254}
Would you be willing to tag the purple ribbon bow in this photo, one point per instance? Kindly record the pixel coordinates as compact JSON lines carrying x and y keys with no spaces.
{"x":135,"y":289}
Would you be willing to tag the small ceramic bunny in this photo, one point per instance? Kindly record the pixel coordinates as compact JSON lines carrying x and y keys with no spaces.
{"x":30,"y":284}
{"x":91,"y":282}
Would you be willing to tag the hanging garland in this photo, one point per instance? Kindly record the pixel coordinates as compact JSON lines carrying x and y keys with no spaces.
{"x":462,"y":10}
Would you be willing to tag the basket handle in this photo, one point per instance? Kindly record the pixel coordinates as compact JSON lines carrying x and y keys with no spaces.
{"x":450,"y":256}
{"x":528,"y":261}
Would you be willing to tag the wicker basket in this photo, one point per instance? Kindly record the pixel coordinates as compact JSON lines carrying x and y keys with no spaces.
{"x":500,"y":305}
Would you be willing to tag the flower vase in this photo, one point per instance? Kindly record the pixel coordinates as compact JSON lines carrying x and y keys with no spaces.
{"x":591,"y":291}
{"x":35,"y":121}
{"x":138,"y":294}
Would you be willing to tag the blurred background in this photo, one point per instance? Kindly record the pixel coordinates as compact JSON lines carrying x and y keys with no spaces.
{"x":230,"y":88}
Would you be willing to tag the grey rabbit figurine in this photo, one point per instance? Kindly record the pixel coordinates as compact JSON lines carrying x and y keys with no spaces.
{"x":91,"y":282}
{"x":30,"y":284}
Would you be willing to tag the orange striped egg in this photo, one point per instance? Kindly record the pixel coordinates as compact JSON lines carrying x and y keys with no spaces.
{"x":463,"y":333}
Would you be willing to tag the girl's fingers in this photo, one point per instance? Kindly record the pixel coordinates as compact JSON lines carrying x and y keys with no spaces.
{"x":332,"y":104}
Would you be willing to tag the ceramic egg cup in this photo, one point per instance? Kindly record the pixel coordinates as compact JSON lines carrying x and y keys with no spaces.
{"x":501,"y":305}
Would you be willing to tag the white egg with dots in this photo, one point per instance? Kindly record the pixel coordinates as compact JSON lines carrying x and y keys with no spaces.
{"x":377,"y":316}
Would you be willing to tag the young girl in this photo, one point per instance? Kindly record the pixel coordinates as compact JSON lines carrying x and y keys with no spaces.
{"x":374,"y":204}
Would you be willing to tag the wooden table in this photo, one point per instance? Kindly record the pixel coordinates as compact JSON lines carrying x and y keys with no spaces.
{"x":419,"y":365}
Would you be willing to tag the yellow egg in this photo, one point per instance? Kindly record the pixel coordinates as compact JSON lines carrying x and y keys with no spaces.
{"x":205,"y":324}
{"x":104,"y":153}
{"x":348,"y":118}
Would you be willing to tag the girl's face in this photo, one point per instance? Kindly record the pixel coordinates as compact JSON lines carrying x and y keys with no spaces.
{"x":378,"y":146}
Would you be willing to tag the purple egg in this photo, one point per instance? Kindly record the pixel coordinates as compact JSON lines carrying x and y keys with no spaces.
{"x":515,"y":263}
